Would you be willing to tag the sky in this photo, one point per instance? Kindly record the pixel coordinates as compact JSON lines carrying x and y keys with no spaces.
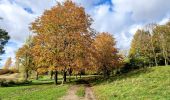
{"x":121,"y":18}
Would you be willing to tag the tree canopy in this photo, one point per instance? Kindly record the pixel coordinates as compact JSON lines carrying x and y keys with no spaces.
{"x":4,"y":37}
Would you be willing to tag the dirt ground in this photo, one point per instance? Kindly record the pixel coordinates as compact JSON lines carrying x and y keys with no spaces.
{"x":71,"y":95}
{"x":10,"y":76}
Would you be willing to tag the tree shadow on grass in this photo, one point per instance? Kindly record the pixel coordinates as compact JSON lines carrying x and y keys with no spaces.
{"x":30,"y":83}
{"x":133,"y":74}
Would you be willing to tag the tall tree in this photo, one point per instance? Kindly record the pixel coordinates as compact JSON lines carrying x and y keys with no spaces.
{"x":143,"y":48}
{"x":106,"y":53}
{"x":152,"y":43}
{"x":67,"y":36}
{"x":25,"y":58}
{"x":162,"y":33}
{"x":150,"y":29}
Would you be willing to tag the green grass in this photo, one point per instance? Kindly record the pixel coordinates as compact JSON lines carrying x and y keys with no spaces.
{"x":145,"y":84}
{"x":37,"y":90}
{"x":81,"y":91}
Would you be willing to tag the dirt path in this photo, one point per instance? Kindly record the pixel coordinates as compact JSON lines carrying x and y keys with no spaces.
{"x":71,"y":95}
{"x":10,"y":76}
{"x":89,"y":94}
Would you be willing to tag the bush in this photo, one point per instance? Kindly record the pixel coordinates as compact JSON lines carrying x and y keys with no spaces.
{"x":135,"y":63}
{"x":6,"y":82}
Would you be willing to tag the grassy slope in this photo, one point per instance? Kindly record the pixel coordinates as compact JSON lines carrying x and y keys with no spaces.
{"x":34,"y":91}
{"x":149,"y":84}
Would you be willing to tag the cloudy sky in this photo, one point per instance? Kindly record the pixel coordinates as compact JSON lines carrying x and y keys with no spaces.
{"x":118,"y":17}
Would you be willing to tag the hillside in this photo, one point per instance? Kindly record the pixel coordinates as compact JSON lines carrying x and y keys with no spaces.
{"x":145,"y":84}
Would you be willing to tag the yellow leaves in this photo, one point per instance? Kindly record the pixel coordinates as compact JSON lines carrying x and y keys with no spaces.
{"x":63,"y":37}
{"x":106,"y":53}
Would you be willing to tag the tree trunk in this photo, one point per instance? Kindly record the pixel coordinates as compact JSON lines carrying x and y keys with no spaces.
{"x":163,"y":49}
{"x":76,"y":76}
{"x":51,"y":75}
{"x":64,"y":76}
{"x":153,"y":50}
{"x":80,"y":75}
{"x":70,"y":72}
{"x":165,"y":60}
{"x":36,"y":75}
{"x":26,"y":75}
{"x":105,"y":72}
{"x":56,"y":77}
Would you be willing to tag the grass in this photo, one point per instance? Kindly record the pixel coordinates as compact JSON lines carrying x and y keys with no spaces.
{"x":145,"y":84}
{"x":37,"y":90}
{"x":81,"y":91}
{"x":42,"y":89}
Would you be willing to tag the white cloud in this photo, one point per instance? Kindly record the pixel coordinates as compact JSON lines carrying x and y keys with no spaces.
{"x":15,"y":20}
{"x":143,"y":10}
{"x":164,"y":21}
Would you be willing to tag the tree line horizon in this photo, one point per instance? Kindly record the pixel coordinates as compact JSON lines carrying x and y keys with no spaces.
{"x":63,"y":42}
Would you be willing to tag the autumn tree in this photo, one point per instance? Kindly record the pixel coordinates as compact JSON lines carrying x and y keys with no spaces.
{"x":24,"y":57}
{"x":67,"y":36}
{"x":8,"y":63}
{"x":106,"y":53}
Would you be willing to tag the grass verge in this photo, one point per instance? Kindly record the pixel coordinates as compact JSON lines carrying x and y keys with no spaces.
{"x":33,"y":92}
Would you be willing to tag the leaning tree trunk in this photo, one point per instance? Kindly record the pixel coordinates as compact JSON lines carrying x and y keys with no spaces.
{"x":56,"y":77}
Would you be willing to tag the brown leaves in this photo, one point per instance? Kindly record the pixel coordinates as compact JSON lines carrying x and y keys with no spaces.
{"x":63,"y":36}
{"x":106,"y":52}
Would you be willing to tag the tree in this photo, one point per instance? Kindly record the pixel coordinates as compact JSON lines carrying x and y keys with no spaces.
{"x":162,"y":33}
{"x":151,"y":45}
{"x":8,"y":63}
{"x":25,"y":58}
{"x":67,"y":36}
{"x":150,"y":29}
{"x":106,"y":53}
{"x":143,"y":48}
{"x":4,"y":37}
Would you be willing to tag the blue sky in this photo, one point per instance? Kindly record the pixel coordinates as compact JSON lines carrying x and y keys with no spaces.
{"x":118,"y":17}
